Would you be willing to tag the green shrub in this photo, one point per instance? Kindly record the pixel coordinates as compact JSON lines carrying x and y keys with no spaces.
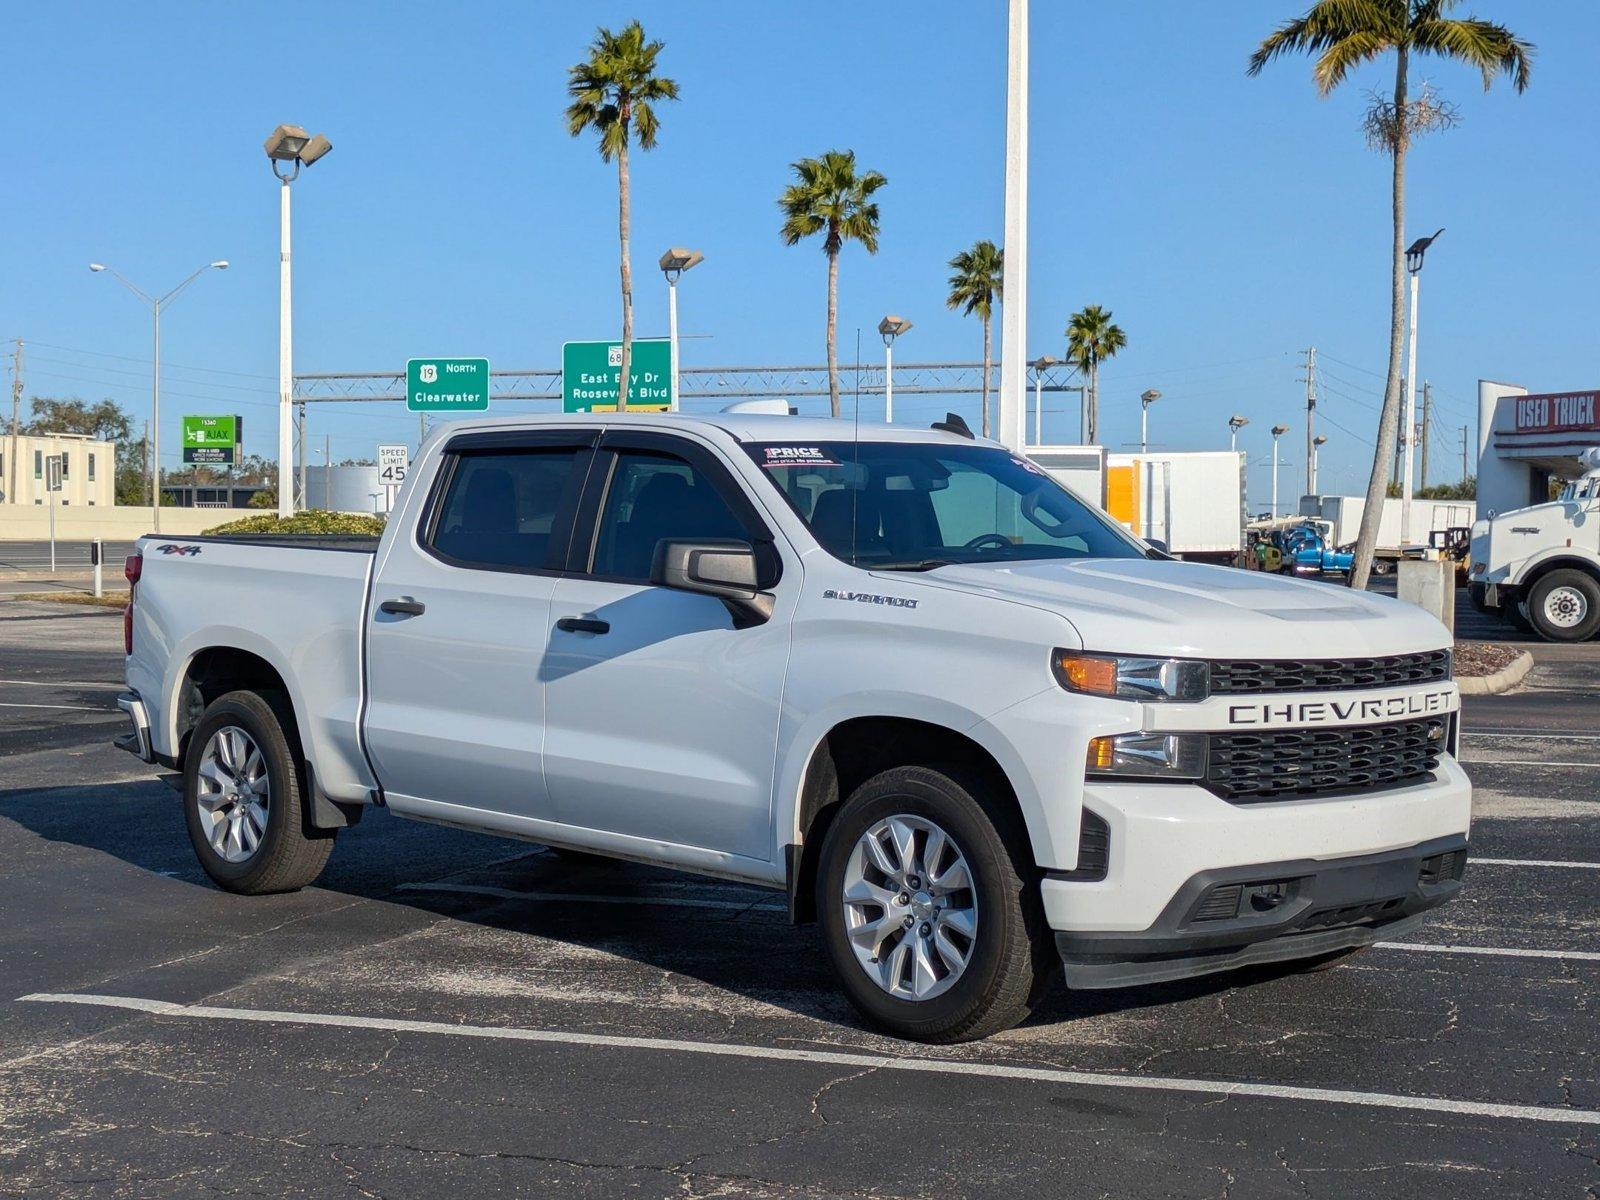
{"x":312,"y":521}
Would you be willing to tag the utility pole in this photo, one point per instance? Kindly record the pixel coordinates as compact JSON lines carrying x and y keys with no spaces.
{"x":1013,"y":396}
{"x":144,"y":440}
{"x":1463,"y":454}
{"x":16,"y":406}
{"x":1427,"y":412}
{"x":1310,"y":380}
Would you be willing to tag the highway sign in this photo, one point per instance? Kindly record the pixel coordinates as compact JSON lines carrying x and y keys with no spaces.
{"x":590,"y":372}
{"x":447,"y":384}
{"x":212,"y":440}
{"x":393,"y":463}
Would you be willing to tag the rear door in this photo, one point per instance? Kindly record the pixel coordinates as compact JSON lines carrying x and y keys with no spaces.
{"x":662,"y":715}
{"x":459,"y":624}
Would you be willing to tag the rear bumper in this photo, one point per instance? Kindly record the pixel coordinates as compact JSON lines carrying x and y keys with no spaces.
{"x":137,"y":739}
{"x":1271,"y":912}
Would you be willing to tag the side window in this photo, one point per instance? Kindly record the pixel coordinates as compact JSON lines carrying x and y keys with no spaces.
{"x":499,"y":509}
{"x":654,"y":497}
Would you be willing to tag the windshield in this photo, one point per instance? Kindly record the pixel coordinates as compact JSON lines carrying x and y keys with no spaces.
{"x":919,"y":505}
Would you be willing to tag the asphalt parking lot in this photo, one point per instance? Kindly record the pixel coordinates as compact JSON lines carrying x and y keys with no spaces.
{"x":26,"y":566}
{"x":449,"y":1014}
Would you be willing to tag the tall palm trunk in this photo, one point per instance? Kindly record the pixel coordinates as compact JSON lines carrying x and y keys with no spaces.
{"x":1389,"y":419}
{"x":833,"y":321}
{"x":1094,"y":403}
{"x":624,"y":228}
{"x":986,"y":353}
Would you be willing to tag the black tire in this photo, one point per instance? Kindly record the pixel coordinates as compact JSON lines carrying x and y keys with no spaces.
{"x":1012,"y":959}
{"x":290,"y":853}
{"x":1383,"y":566}
{"x":1565,"y":588}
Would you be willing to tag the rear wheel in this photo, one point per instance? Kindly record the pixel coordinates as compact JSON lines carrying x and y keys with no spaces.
{"x":1383,"y":566}
{"x":243,"y":799}
{"x":928,"y":915}
{"x":1564,"y":606}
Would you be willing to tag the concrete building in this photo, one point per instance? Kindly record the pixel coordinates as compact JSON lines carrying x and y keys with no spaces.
{"x":89,"y":477}
{"x":1527,"y":439}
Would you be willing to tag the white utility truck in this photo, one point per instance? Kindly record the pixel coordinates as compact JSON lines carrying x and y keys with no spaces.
{"x":969,"y":724}
{"x":1540,"y":566}
{"x":1427,"y":518}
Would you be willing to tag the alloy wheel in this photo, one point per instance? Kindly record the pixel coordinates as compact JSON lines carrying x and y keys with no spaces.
{"x":234,"y":794}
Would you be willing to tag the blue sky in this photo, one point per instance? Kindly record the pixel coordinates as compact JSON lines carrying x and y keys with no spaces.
{"x":1227,"y":222}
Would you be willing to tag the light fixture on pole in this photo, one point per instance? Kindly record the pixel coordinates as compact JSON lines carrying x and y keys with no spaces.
{"x":1277,"y":432}
{"x":890,"y":327}
{"x":156,"y":304}
{"x":294,"y":148}
{"x":1146,"y":399}
{"x":1414,"y":256}
{"x":1317,"y":443}
{"x":1236,"y":423}
{"x":1040,"y":365}
{"x":674,"y":263}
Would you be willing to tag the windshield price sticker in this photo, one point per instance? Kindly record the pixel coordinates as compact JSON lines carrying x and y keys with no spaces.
{"x":797,"y":456}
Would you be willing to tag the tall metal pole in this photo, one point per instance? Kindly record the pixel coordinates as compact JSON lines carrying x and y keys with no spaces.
{"x":1311,"y":412}
{"x":155,"y":422}
{"x":285,"y":362}
{"x":1427,"y":415}
{"x":1274,"y":475}
{"x":304,"y":497}
{"x":1038,"y":406}
{"x":1014,"y":310}
{"x":1144,"y":427}
{"x":1409,"y":421}
{"x":672,"y":334}
{"x":888,"y":380}
{"x":15,"y":481}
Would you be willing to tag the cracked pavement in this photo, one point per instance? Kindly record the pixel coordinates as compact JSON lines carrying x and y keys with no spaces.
{"x":99,"y":893}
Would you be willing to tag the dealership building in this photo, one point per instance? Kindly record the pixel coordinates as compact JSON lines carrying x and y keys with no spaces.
{"x":1527,"y":439}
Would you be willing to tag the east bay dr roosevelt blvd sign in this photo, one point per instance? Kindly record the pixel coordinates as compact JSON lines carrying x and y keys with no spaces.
{"x":590,"y":372}
{"x":447,"y":384}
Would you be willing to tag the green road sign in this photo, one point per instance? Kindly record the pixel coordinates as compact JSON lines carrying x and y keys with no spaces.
{"x":212,"y":440}
{"x":447,"y":384}
{"x":590,"y":372}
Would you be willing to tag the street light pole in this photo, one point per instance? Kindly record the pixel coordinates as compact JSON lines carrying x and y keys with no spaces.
{"x":890,"y":328}
{"x":1316,"y":447}
{"x":156,"y":304}
{"x":1277,"y":432}
{"x":1042,"y":364}
{"x":1013,"y":395}
{"x":674,"y":263}
{"x":1236,"y":423}
{"x":1146,"y":399}
{"x":1414,"y":256}
{"x":288,"y":144}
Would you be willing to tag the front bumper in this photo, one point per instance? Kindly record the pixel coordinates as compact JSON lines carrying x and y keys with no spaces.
{"x":1271,"y":912}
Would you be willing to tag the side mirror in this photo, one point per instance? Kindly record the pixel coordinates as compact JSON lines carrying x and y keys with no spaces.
{"x":735,"y":572}
{"x":1159,"y":546}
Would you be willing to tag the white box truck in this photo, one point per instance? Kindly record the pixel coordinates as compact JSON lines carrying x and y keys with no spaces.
{"x":1427,"y":517}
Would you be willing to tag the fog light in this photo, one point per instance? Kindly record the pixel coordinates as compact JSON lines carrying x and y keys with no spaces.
{"x":1264,"y":897}
{"x":1148,"y":755}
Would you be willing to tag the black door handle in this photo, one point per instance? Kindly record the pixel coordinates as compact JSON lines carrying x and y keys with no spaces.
{"x":583,"y":625}
{"x":403,"y":607}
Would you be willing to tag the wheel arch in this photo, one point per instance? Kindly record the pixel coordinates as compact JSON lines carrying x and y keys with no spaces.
{"x":853,"y":750}
{"x":1556,"y":560}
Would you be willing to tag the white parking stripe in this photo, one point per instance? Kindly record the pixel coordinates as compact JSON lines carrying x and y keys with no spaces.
{"x":1491,"y":951}
{"x":61,"y":683}
{"x":926,"y":1066}
{"x":1534,"y":862}
{"x":64,"y":707}
{"x":471,"y":889}
{"x":1548,"y":735}
{"x":1524,"y":762}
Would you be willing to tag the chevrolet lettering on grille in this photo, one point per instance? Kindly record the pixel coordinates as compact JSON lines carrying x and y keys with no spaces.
{"x":1341,"y":712}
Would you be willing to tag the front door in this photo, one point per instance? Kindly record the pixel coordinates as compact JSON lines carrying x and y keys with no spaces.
{"x":661,"y":716}
{"x":460,"y":621}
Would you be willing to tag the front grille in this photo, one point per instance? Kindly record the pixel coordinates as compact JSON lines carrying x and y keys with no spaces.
{"x":1285,"y":764}
{"x":1255,"y":676}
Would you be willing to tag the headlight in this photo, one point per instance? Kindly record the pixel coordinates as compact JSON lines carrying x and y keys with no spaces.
{"x":1128,"y":678}
{"x":1148,"y":756}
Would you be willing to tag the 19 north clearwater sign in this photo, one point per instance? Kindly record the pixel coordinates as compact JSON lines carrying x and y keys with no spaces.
{"x":590,"y":372}
{"x":447,"y":384}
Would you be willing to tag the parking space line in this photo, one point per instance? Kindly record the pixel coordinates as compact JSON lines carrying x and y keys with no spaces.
{"x":499,"y":893}
{"x":926,"y":1066}
{"x":64,"y":707}
{"x":1491,"y":951}
{"x":1529,"y":735}
{"x":1524,"y":762}
{"x":60,"y":683}
{"x":1534,"y":862}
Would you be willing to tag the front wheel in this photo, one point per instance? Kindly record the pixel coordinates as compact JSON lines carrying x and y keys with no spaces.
{"x":243,"y":798}
{"x":1564,"y":606}
{"x":929,"y":920}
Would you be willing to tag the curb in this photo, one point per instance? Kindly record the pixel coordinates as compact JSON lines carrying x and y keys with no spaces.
{"x":1502,"y":680}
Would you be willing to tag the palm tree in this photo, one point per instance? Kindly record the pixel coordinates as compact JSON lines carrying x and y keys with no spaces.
{"x":974,"y":288}
{"x":1092,"y":338}
{"x":613,"y":93}
{"x":1343,"y":34}
{"x":829,"y":196}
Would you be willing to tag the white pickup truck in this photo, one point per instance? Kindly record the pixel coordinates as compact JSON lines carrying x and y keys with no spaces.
{"x":973,"y":727}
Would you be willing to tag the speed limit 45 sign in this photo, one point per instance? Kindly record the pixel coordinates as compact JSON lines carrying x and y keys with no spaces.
{"x":393,"y":462}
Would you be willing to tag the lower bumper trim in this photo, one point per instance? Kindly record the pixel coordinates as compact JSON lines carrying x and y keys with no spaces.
{"x":1270,"y":912}
{"x":137,"y":739}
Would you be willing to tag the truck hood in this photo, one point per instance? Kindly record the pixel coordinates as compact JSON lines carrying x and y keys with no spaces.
{"x":1159,"y":607}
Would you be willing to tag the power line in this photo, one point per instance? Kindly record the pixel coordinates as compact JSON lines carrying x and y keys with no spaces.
{"x":146,"y":361}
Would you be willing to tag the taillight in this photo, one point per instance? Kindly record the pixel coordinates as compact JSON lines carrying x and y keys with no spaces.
{"x":132,"y":568}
